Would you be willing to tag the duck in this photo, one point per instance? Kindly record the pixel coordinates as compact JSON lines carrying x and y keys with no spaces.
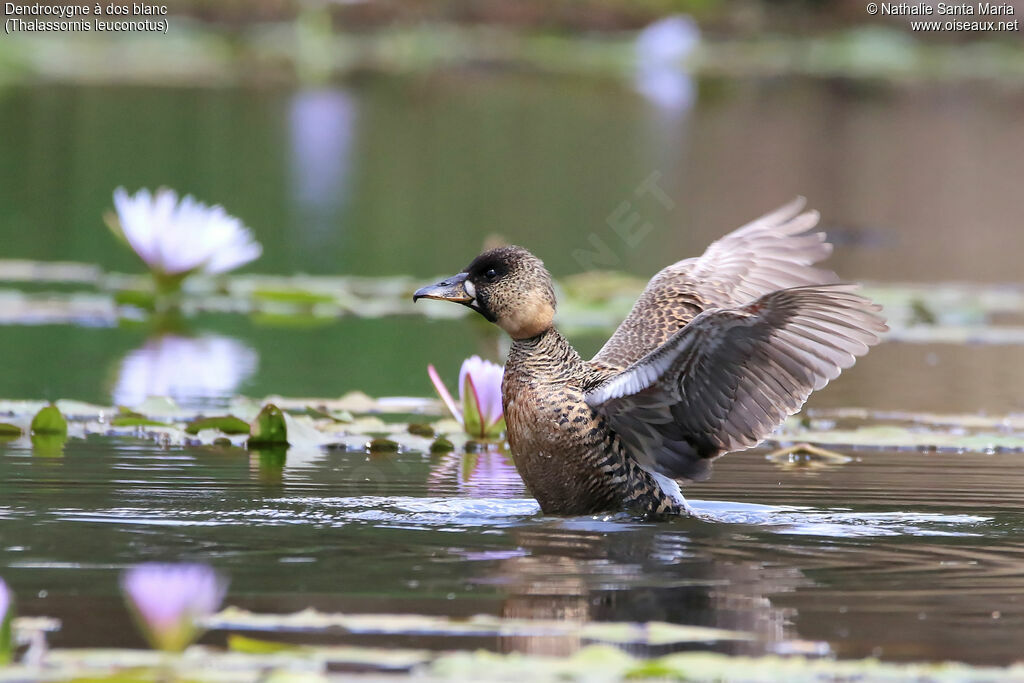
{"x":715,"y":354}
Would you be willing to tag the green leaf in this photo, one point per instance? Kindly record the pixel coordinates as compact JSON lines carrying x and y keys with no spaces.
{"x":134,"y":297}
{"x":136,"y":421}
{"x":269,"y":429}
{"x":496,"y":429}
{"x":49,"y":421}
{"x":6,"y":635}
{"x":256,"y":646}
{"x":442,"y":445}
{"x":420,"y":429}
{"x":129,"y":418}
{"x":229,"y":424}
{"x":382,"y":446}
{"x":472,"y":421}
{"x":340,"y":416}
{"x":292,"y":296}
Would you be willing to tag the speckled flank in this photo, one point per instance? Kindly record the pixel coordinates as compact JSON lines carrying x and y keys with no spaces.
{"x":566,"y":453}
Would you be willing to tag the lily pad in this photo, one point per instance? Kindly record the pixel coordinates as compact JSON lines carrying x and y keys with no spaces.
{"x":420,"y":429}
{"x":653,"y":633}
{"x":9,"y":432}
{"x":228,"y":424}
{"x":807,"y":456}
{"x":269,"y":429}
{"x":382,"y":446}
{"x":239,"y":643}
{"x":130,"y":418}
{"x":894,"y":436}
{"x":442,"y":445}
{"x":49,"y":421}
{"x":292,"y":296}
{"x":602,"y":662}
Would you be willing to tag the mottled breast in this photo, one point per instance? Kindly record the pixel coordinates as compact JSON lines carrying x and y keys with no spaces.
{"x":556,"y":441}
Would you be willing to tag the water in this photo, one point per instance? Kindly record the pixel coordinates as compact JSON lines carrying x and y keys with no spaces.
{"x":901,"y":564}
{"x":902,"y":555}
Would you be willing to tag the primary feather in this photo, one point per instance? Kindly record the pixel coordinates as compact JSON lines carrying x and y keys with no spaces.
{"x":727,"y":379}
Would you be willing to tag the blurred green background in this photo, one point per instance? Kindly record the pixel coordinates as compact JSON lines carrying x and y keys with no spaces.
{"x":385,"y":138}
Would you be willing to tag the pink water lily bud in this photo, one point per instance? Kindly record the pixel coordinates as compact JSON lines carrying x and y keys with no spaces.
{"x":479,"y":410}
{"x":178,"y":237}
{"x":168,"y":600}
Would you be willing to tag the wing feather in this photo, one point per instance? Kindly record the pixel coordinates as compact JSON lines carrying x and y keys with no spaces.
{"x":772,"y":252}
{"x":726,"y":380}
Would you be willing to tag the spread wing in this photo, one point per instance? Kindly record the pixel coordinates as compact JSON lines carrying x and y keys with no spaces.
{"x":729,"y":378}
{"x":772,"y":252}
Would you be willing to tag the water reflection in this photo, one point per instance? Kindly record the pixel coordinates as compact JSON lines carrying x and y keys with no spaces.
{"x":484,"y":474}
{"x":322,"y":130}
{"x":195,"y":371}
{"x":641,"y":575}
{"x":661,"y":49}
{"x":401,"y":534}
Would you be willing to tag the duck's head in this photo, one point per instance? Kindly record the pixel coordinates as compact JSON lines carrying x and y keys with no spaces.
{"x":509,"y":286}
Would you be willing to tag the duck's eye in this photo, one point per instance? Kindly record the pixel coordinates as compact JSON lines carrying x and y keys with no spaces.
{"x":491,"y":275}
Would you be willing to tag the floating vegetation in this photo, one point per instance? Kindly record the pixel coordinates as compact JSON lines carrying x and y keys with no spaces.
{"x":227,"y":424}
{"x":49,"y":421}
{"x":353,"y":422}
{"x":807,"y":456}
{"x":442,"y":445}
{"x":897,"y":436}
{"x":130,"y":418}
{"x":251,"y":659}
{"x":594,"y":301}
{"x":602,"y":662}
{"x":381,"y":445}
{"x":310,"y":620}
{"x":269,"y":429}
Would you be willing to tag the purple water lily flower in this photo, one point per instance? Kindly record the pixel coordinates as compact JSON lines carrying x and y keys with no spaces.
{"x":481,"y":414}
{"x":168,"y":599}
{"x":175,"y":238}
